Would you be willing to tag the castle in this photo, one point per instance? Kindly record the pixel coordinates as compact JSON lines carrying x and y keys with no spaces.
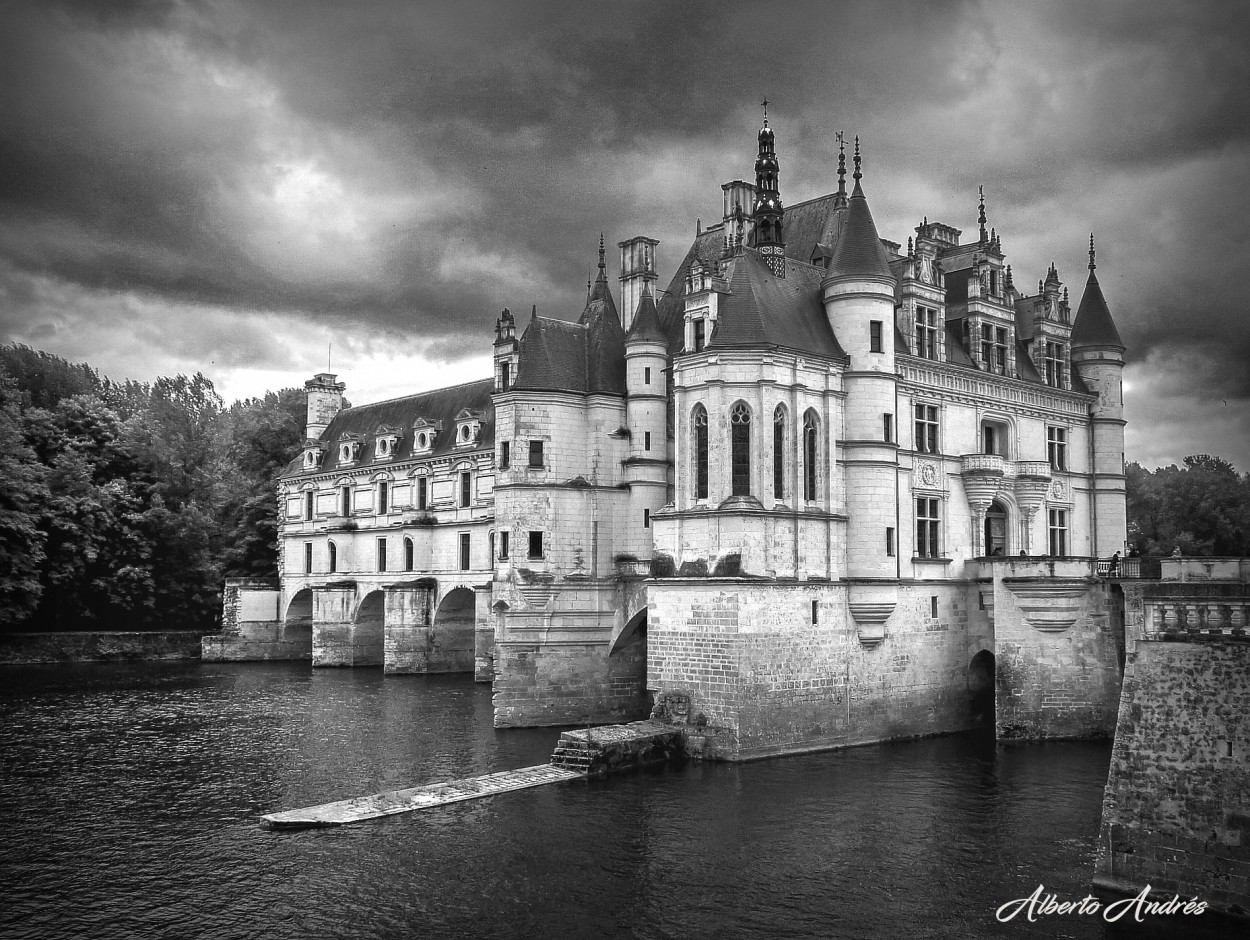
{"x":822,"y":489}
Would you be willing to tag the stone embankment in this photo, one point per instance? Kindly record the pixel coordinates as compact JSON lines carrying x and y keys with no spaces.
{"x":26,"y":649}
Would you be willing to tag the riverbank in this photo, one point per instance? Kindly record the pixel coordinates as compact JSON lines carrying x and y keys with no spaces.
{"x":103,"y":646}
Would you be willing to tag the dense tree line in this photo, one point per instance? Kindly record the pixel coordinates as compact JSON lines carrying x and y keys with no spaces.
{"x":123,"y":506}
{"x":1202,"y":508}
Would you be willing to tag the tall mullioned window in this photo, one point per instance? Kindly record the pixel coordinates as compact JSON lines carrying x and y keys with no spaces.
{"x":384,"y":497}
{"x":409,"y":555}
{"x":381,"y":554}
{"x":928,"y":528}
{"x":334,"y":557}
{"x":308,"y":552}
{"x":700,"y":338}
{"x":465,"y":549}
{"x":811,"y":435}
{"x":994,"y":348}
{"x":700,"y":452}
{"x":309,"y":497}
{"x":740,"y":449}
{"x":1057,"y":447}
{"x":927,"y":345}
{"x":779,"y":452}
{"x":1052,"y":365}
{"x":927,"y":429}
{"x":1058,"y":530}
{"x":345,"y":500}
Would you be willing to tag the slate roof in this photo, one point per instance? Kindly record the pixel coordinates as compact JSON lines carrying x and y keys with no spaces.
{"x":442,"y":404}
{"x":586,"y":357}
{"x":1093,"y":325}
{"x":765,"y":310}
{"x":646,"y":325}
{"x":859,"y":252}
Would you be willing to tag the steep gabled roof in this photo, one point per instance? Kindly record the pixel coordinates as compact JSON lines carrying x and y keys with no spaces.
{"x":1093,"y":325}
{"x":440,"y":405}
{"x":762,"y":309}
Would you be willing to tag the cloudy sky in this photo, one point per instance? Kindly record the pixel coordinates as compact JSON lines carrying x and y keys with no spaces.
{"x":230,"y":187}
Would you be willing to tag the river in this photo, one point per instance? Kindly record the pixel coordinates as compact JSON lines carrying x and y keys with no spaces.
{"x":130,"y":794}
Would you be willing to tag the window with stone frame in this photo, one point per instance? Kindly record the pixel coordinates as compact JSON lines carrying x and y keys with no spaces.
{"x":780,"y":420}
{"x":875,"y":341}
{"x":994,"y":348}
{"x":381,"y":554}
{"x":505,"y":454}
{"x":928,"y":527}
{"x":334,"y":557}
{"x":928,"y":345}
{"x":700,"y":337}
{"x":536,"y":454}
{"x":465,"y":551}
{"x":466,"y":489}
{"x":700,"y":444}
{"x":423,"y":493}
{"x":1052,"y":365}
{"x":1057,"y":447}
{"x":309,"y":503}
{"x":535,"y":544}
{"x":409,"y":555}
{"x":383,"y":497}
{"x":740,"y":449}
{"x":345,"y":500}
{"x":811,"y":448}
{"x":503,"y":544}
{"x":927,"y":429}
{"x":308,"y":557}
{"x":1057,"y":527}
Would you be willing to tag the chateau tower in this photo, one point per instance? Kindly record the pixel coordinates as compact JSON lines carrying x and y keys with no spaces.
{"x":506,"y":347}
{"x":768,"y":214}
{"x":1098,"y":355}
{"x":325,"y":400}
{"x":858,"y":296}
{"x":637,"y":275}
{"x":647,"y":467}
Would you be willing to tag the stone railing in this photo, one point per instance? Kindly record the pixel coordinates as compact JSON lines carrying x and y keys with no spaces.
{"x":992,"y":464}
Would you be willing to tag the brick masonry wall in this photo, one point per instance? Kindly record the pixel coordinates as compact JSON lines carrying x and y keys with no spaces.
{"x":769,"y":681}
{"x":1177,"y":810}
{"x":1176,"y":814}
{"x":1055,"y":683}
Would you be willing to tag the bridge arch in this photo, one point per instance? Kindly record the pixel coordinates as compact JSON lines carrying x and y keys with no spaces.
{"x":627,"y":669}
{"x":297,"y":621}
{"x":452,"y":634}
{"x":368,"y":628}
{"x":981,"y":688}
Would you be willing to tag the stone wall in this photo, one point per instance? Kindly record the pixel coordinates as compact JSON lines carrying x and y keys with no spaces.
{"x":1176,"y":814}
{"x":24,"y":649}
{"x":252,"y":628}
{"x":766,"y":680}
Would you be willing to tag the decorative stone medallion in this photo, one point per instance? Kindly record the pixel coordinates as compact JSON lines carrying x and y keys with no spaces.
{"x":928,"y":474}
{"x":1058,"y":490}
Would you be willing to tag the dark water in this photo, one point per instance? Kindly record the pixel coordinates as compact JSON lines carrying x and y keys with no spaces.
{"x":129,"y":797}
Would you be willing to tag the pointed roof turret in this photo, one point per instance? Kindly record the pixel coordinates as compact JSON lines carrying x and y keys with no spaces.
{"x":1093,"y":325}
{"x":646,"y":325}
{"x":859,"y":252}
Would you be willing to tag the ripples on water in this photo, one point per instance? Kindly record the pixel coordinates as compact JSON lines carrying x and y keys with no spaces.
{"x":129,"y":797}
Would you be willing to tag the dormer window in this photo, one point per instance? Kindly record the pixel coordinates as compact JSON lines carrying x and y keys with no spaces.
{"x":468,"y":427}
{"x":994,"y":348}
{"x":312,"y":458}
{"x":700,"y":335}
{"x":349,"y":451}
{"x":386,"y":443}
{"x":424,"y":435}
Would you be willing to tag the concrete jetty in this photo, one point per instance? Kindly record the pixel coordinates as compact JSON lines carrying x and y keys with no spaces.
{"x":579,"y":755}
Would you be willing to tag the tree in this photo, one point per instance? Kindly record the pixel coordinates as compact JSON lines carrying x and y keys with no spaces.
{"x":1202,"y":508}
{"x":24,"y":490}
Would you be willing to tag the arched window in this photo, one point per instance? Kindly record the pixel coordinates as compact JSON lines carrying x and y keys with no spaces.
{"x":740,"y":449}
{"x":700,"y":452}
{"x":409,"y":555}
{"x":811,"y":431}
{"x":779,"y":452}
{"x":334,"y":558}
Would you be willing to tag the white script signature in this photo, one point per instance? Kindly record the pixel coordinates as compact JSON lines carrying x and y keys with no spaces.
{"x":1041,"y":904}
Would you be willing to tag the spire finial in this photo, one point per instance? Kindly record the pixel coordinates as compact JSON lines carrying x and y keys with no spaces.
{"x":764,"y":105}
{"x":857,"y":175}
{"x":602,"y":266}
{"x":1091,"y":252}
{"x":981,"y":216}
{"x":839,"y":201}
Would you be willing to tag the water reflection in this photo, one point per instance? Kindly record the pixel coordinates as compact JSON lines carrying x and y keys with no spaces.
{"x":130,"y":794}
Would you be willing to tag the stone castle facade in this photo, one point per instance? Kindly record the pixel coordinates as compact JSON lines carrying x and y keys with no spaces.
{"x":822,"y":489}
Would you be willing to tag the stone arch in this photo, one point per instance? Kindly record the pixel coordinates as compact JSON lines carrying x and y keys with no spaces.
{"x":627,"y":668}
{"x":452,"y":633}
{"x":368,"y":628}
{"x":981,"y":689}
{"x":996,"y":541}
{"x":297,"y":623}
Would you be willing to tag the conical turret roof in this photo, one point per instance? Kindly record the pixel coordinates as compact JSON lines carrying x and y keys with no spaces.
{"x":1093,"y":325}
{"x":859,"y":252}
{"x":646,"y":325}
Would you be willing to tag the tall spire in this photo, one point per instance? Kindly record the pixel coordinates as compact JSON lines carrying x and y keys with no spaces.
{"x":839,"y":201}
{"x":981,"y":217}
{"x":768,"y":212}
{"x":857,"y":176}
{"x":1091,"y":253}
{"x":1093,"y":325}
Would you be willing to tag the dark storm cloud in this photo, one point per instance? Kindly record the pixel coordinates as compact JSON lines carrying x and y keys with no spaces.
{"x":408,"y":169}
